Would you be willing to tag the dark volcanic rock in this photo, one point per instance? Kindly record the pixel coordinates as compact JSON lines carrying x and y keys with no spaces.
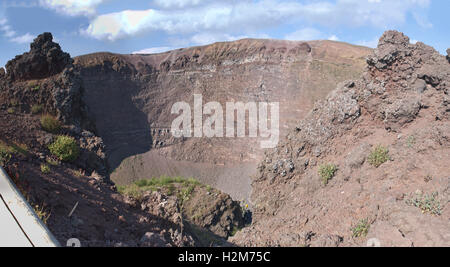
{"x":44,"y":60}
{"x":2,"y":73}
{"x":448,"y":55}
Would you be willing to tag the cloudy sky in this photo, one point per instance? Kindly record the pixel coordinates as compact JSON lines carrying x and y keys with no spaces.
{"x":150,"y":26}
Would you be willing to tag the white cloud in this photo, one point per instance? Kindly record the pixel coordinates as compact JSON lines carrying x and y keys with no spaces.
{"x":73,"y":7}
{"x":179,"y":3}
{"x":154,"y":50}
{"x":240,"y":17}
{"x":6,"y":29}
{"x":309,"y":34}
{"x":23,"y":39}
{"x":306,"y":34}
{"x":333,"y":38}
{"x":11,"y":35}
{"x":371,"y":43}
{"x":209,"y":38}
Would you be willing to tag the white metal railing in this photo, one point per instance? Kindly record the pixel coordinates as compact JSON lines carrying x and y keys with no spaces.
{"x":19,"y":224}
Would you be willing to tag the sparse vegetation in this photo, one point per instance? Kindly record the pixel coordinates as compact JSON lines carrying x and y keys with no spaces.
{"x":42,"y":213}
{"x":361,"y":229}
{"x":36,"y":109}
{"x":428,"y":203}
{"x":65,"y":148}
{"x":19,"y":148}
{"x":6,"y":151}
{"x":53,"y":162}
{"x":379,"y":156}
{"x":77,"y":173}
{"x":132,"y":191}
{"x":45,"y":169}
{"x":182,"y":187}
{"x":11,"y":110}
{"x":14,"y":102}
{"x":327,"y":172}
{"x":34,"y":86}
{"x":50,"y":124}
{"x":5,"y":156}
{"x":411,"y":141}
{"x":235,"y":231}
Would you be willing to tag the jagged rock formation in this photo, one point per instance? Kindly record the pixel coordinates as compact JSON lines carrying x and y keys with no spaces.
{"x":401,"y":102}
{"x":130,"y":97}
{"x":45,"y":59}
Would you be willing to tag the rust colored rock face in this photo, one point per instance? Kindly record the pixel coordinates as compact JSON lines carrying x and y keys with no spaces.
{"x":131,"y":96}
{"x":400,"y":105}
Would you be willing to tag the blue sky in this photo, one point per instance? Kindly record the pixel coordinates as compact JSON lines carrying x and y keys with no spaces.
{"x":146,"y":26}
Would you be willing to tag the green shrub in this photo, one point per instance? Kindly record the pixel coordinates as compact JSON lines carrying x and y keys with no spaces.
{"x":11,"y":110}
{"x":427,"y":203}
{"x":132,"y":191}
{"x":53,"y":162}
{"x":42,"y":213}
{"x":379,"y":156}
{"x":5,"y":156}
{"x":45,"y":169}
{"x":181,"y":187}
{"x":65,"y":148}
{"x":327,"y":172}
{"x":14,"y":102}
{"x":361,"y":229}
{"x":50,"y":124}
{"x":36,"y":109}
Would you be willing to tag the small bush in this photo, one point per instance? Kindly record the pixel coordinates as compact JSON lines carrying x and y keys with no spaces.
{"x":36,"y":109}
{"x":181,"y":187}
{"x":132,"y":191}
{"x":53,"y":162}
{"x":427,"y":203}
{"x":11,"y":110}
{"x":411,"y":141}
{"x":361,"y":229}
{"x":327,"y":172}
{"x":14,"y":102}
{"x":45,"y":169}
{"x":5,"y":156}
{"x":50,"y":124}
{"x":42,"y":213}
{"x":77,"y":173}
{"x":65,"y":148}
{"x":19,"y":148}
{"x":379,"y":156}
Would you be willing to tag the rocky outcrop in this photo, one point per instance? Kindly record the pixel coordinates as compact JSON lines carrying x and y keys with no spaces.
{"x":210,"y":215}
{"x":44,"y":60}
{"x":401,"y":103}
